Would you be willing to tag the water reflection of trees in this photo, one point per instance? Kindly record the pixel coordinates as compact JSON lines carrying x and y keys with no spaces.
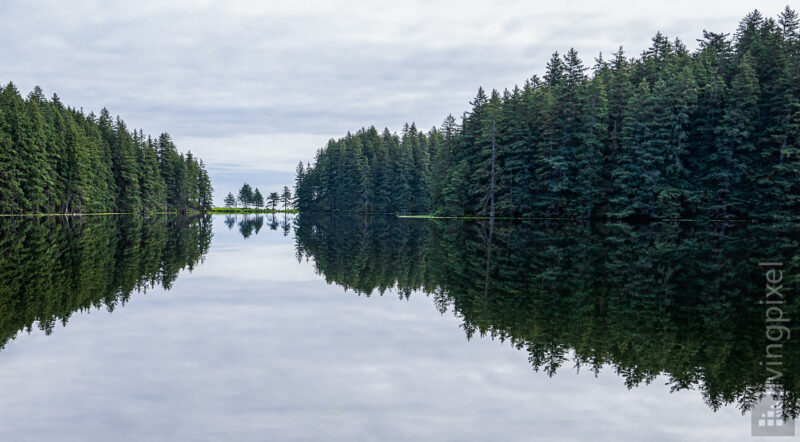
{"x":674,"y":299}
{"x":52,"y":267}
{"x":250,"y":224}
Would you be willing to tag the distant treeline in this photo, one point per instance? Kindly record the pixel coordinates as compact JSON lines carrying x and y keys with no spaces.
{"x":712,"y":133}
{"x":55,"y":159}
{"x":249,"y":196}
{"x":52,"y":267}
{"x":679,"y":300}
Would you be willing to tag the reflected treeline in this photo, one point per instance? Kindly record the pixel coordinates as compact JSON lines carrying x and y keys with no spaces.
{"x":678,"y":299}
{"x":250,"y":224}
{"x":52,"y":267}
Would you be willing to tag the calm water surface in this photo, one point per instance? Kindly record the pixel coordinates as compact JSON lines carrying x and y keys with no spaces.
{"x":353,"y":328}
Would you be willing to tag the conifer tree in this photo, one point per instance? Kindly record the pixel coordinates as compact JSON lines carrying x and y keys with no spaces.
{"x":732,"y":174}
{"x":12,"y":197}
{"x":258,"y":199}
{"x":230,"y":200}
{"x":205,"y":189}
{"x":246,"y":195}
{"x":274,"y":199}
{"x":634,"y":173}
{"x":286,"y":197}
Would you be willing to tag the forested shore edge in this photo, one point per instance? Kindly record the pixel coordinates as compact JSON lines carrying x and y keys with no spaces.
{"x":673,"y":134}
{"x":55,"y":159}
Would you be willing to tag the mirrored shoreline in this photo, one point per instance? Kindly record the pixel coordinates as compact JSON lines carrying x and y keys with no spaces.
{"x":681,"y":300}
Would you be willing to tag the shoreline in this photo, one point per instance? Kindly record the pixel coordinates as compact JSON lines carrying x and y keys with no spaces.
{"x":235,"y":210}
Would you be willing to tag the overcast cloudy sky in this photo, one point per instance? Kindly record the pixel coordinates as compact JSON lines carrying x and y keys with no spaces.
{"x":252,"y":87}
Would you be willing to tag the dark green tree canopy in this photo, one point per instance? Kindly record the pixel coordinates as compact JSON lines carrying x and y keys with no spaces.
{"x":709,"y":134}
{"x":246,"y":195}
{"x":56,"y":159}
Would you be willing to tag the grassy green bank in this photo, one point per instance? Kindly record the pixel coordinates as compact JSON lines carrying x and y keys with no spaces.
{"x":232,"y":210}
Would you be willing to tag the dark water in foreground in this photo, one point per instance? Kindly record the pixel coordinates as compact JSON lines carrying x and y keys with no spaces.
{"x":262,"y":328}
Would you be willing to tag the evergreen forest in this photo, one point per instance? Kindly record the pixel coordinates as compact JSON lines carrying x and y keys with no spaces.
{"x":56,"y":159}
{"x":711,"y":133}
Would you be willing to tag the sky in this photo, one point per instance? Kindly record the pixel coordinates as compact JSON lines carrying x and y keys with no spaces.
{"x":254,"y":87}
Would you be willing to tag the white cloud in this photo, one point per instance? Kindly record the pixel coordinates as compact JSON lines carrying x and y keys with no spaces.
{"x":244,"y":152}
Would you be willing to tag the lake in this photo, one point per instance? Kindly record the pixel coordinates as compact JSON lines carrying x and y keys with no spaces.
{"x":343,"y":328}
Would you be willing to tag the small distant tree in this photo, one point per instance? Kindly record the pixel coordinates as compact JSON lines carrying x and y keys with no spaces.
{"x":246,"y":195}
{"x":258,"y":199}
{"x":230,"y":200}
{"x":286,"y":197}
{"x":274,"y":198}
